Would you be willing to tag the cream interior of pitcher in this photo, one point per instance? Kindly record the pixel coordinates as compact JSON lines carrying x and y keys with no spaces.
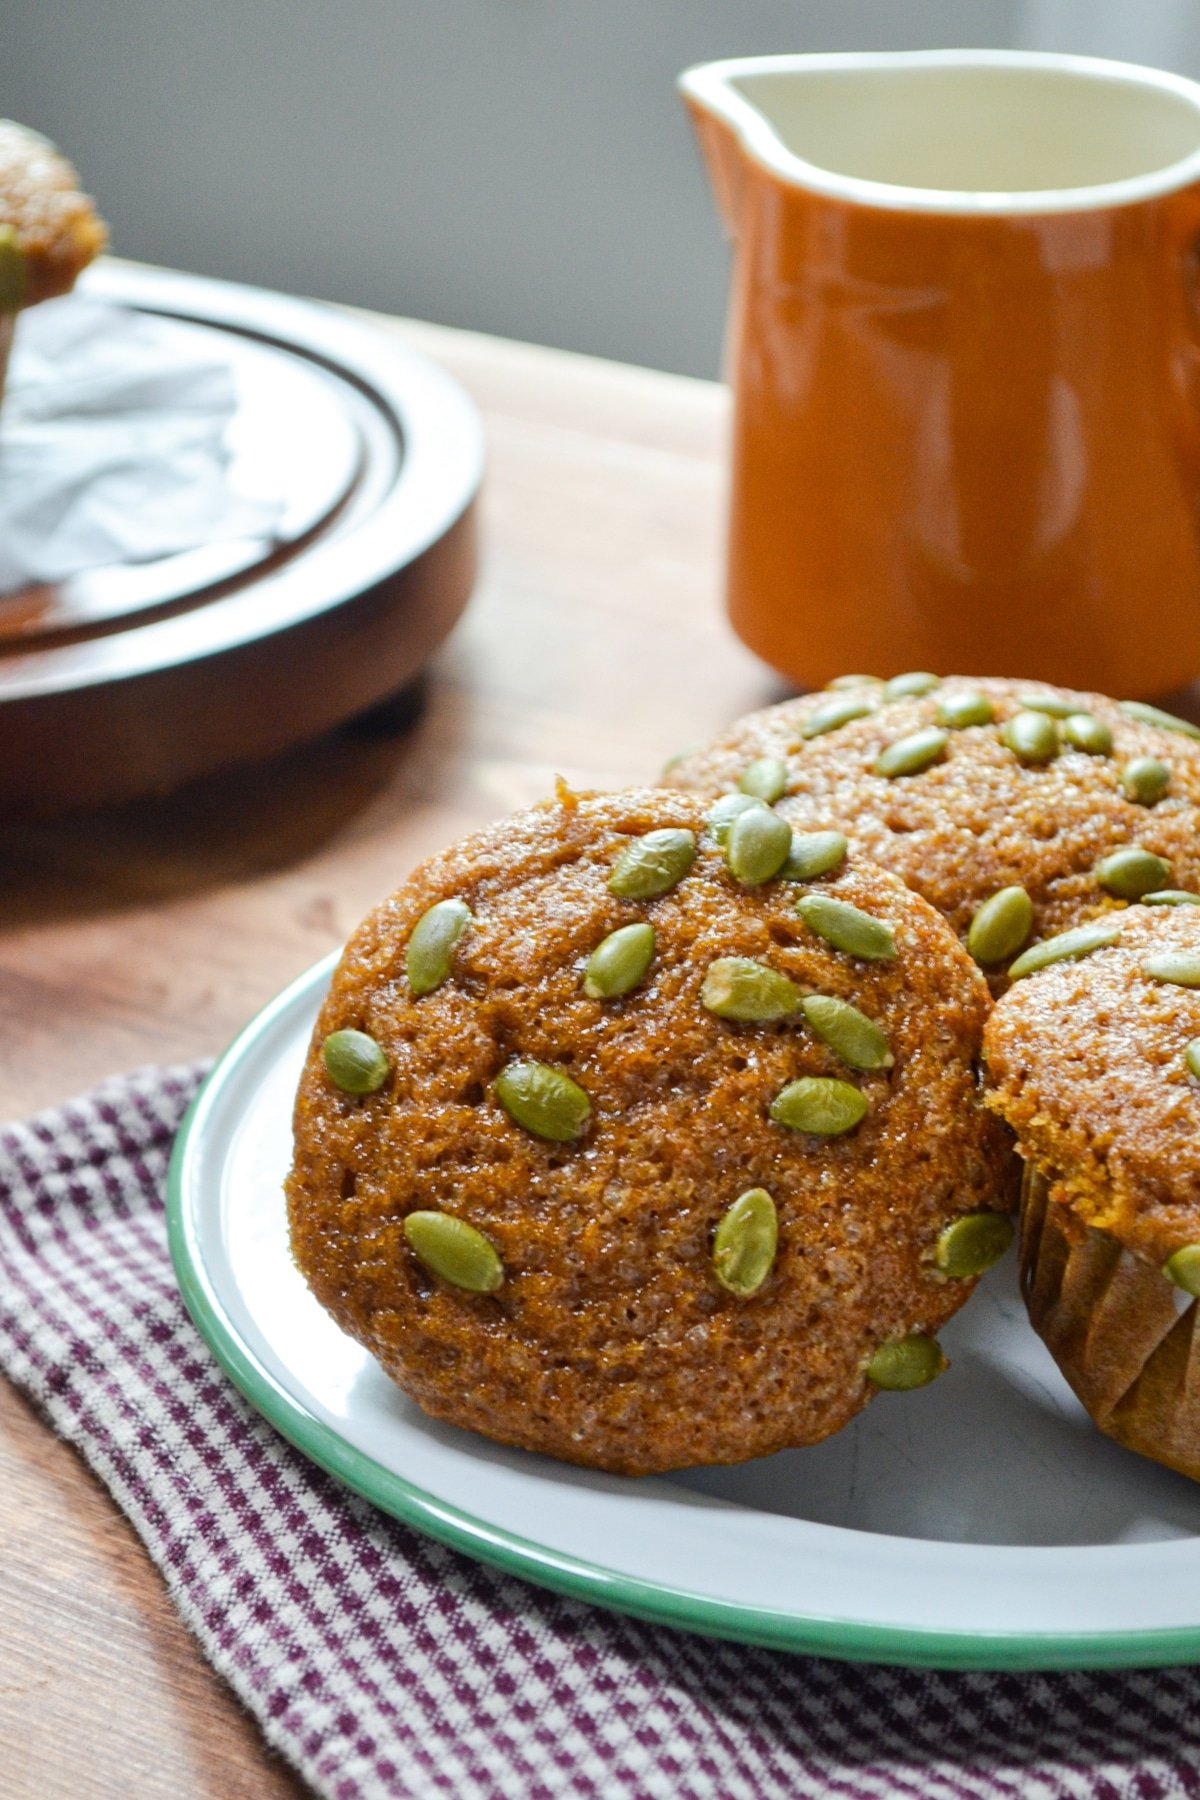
{"x":990,"y":124}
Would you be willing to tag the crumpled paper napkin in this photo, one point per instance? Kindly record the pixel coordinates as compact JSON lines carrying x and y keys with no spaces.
{"x":112,"y":444}
{"x":388,"y":1668}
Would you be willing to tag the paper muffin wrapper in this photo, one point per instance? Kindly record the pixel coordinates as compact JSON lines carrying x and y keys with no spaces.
{"x":1122,"y":1333}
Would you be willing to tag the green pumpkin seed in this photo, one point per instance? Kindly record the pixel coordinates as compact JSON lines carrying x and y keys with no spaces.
{"x":847,"y":927}
{"x":543,"y":1100}
{"x":1131,"y":872}
{"x":1068,"y":946}
{"x":1154,"y":715}
{"x":1000,"y":926}
{"x":1145,"y":779}
{"x":960,"y":710}
{"x":652,"y":865}
{"x":725,"y":811}
{"x":1031,"y":736}
{"x":14,"y":270}
{"x":1191,"y":1057}
{"x":354,"y":1062}
{"x":1181,"y":968}
{"x":745,"y":1242}
{"x":836,"y":713}
{"x":619,"y":962}
{"x":1084,"y":731}
{"x":432,"y":944}
{"x":1183,"y":1268}
{"x":905,"y":1363}
{"x":757,"y":846}
{"x":737,"y":987}
{"x":814,"y":853}
{"x":1171,"y":897}
{"x":973,"y":1243}
{"x":858,"y":1040}
{"x":454,"y":1251}
{"x":852,"y":681}
{"x":820,"y":1105}
{"x":909,"y":755}
{"x":673,"y":762}
{"x":765,"y":779}
{"x":1050,"y":704}
{"x":905,"y":687}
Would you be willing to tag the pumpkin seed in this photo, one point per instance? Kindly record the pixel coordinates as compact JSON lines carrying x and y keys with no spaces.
{"x":1000,"y":926}
{"x":1154,"y":715}
{"x":1084,"y":731}
{"x":960,"y":710}
{"x":973,"y":1243}
{"x":916,"y":681}
{"x":814,"y":853}
{"x":1068,"y":946}
{"x":1145,"y":779}
{"x":354,"y":1062}
{"x":432,"y":944}
{"x":835,"y":713}
{"x":909,"y":755}
{"x":454,"y":1251}
{"x":765,"y":779}
{"x":1191,"y":1057}
{"x":745,"y":1242}
{"x":1050,"y":704}
{"x":1183,"y":1268}
{"x":543,"y":1100}
{"x":905,"y":1363}
{"x":820,"y":1105}
{"x":725,"y":811}
{"x":1031,"y":736}
{"x":858,"y":1040}
{"x":1131,"y":872}
{"x":653,"y":864}
{"x":1181,"y":968}
{"x":847,"y":927}
{"x":757,"y":846}
{"x":674,"y":761}
{"x":1171,"y":897}
{"x":737,"y":987}
{"x":852,"y":681}
{"x":619,"y":962}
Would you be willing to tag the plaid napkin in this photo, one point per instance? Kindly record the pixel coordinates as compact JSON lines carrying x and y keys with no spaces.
{"x":383,"y":1665}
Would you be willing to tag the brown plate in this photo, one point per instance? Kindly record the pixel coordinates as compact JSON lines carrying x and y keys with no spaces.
{"x":134,"y":678}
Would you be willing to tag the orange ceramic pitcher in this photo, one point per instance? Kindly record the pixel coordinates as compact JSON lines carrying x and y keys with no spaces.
{"x":965,"y":353}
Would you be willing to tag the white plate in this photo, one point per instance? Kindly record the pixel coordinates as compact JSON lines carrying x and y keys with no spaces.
{"x":981,"y":1522}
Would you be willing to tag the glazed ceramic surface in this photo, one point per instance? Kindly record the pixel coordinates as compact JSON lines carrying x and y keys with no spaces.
{"x":965,"y":352}
{"x":979,"y":1522}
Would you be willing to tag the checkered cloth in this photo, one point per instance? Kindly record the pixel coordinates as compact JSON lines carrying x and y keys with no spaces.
{"x":383,"y":1665}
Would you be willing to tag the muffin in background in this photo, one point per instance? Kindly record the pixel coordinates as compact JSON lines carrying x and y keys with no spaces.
{"x":1095,"y":1064}
{"x":622,"y":1141}
{"x":49,"y":230}
{"x":1018,"y":809}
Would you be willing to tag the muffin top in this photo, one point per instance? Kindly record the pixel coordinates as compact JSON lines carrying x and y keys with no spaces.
{"x":593,"y":1117}
{"x":48,"y":229}
{"x":969,"y":787}
{"x":1089,"y":1064}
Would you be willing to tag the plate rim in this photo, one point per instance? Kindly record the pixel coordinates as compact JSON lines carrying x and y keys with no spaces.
{"x":577,"y":1577}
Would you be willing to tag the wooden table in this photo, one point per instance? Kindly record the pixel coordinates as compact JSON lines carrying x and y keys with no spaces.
{"x":595,"y":647}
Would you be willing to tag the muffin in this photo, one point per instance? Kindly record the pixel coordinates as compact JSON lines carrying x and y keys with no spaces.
{"x":1019,"y":810}
{"x":49,"y":231}
{"x":604,"y":1148}
{"x":1095,"y":1064}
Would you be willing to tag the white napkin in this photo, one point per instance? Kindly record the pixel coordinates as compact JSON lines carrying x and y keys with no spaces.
{"x":112,"y":444}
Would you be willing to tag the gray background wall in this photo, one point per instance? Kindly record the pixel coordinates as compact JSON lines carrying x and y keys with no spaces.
{"x":516,"y":166}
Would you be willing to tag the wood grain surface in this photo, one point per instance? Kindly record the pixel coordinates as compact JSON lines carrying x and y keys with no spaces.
{"x":594,"y":648}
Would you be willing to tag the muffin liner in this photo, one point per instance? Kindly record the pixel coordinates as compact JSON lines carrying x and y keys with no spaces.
{"x":1123,"y":1335}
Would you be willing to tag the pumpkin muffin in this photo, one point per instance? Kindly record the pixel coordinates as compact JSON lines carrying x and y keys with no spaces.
{"x":646,"y":1139}
{"x":1095,"y":1064}
{"x":49,"y":231}
{"x":1018,"y":809}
